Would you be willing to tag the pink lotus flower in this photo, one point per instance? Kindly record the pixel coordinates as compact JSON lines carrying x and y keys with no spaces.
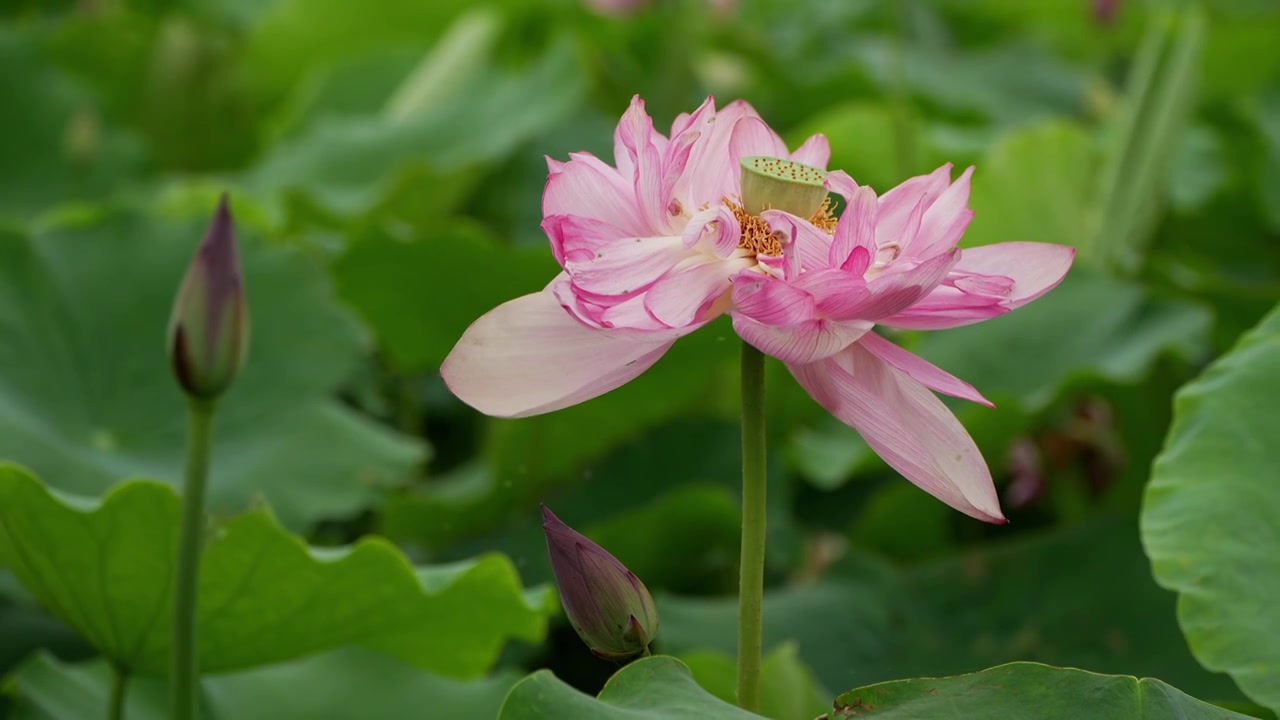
{"x":662,"y":244}
{"x":893,"y":261}
{"x":647,"y":247}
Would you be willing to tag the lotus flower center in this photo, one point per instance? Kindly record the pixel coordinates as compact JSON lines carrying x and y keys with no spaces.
{"x":760,"y":239}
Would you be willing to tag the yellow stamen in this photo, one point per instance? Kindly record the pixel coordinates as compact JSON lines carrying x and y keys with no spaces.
{"x":823,"y":218}
{"x":757,"y":237}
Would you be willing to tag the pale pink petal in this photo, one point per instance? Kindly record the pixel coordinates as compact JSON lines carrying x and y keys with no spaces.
{"x":1035,"y":268}
{"x":803,"y":342}
{"x":856,"y":229}
{"x":921,"y":370}
{"x":945,"y":220}
{"x":576,"y":239}
{"x":577,"y":304}
{"x":593,"y":190}
{"x":630,"y":314}
{"x":770,"y":300}
{"x":694,"y":121}
{"x":900,"y":203}
{"x":906,"y":425}
{"x":628,"y":265}
{"x":528,"y":357}
{"x":839,"y":182}
{"x":832,"y":291}
{"x":711,"y":174}
{"x":893,"y":292}
{"x":751,"y":136}
{"x":816,"y":152}
{"x":718,"y":227}
{"x":809,"y":244}
{"x":683,"y":296}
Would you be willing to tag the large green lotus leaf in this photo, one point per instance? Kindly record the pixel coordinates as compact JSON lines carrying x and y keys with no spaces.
{"x":292,"y":37}
{"x":848,"y":126}
{"x":1034,"y":184}
{"x":656,"y":688}
{"x":344,"y":683}
{"x":347,"y":164}
{"x":1024,"y":690}
{"x":87,"y":396}
{"x":59,"y":147}
{"x":523,"y":461}
{"x":866,"y":622}
{"x":1267,"y":117}
{"x":1209,"y":522}
{"x":420,"y":294}
{"x":1090,"y":328}
{"x":787,"y":688}
{"x":106,"y":568}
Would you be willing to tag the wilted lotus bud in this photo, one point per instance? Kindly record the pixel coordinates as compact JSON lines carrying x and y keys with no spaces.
{"x":606,"y":603}
{"x":209,"y":327}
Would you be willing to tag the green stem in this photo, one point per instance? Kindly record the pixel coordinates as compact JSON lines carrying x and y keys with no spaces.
{"x":751,"y":575}
{"x":191,"y":539}
{"x":119,"y":683}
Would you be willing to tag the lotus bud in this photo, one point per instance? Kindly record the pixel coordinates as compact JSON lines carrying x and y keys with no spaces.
{"x":209,"y":327}
{"x":778,"y":184}
{"x":606,"y":603}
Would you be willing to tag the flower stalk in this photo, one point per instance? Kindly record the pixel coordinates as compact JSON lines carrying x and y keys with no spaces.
{"x":751,"y":572}
{"x":184,"y":673}
{"x":208,"y":337}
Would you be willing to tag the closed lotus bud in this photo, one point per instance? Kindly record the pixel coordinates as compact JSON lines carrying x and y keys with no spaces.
{"x":209,"y":327}
{"x":606,"y":603}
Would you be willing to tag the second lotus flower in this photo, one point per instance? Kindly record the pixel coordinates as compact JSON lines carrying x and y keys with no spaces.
{"x":673,"y":236}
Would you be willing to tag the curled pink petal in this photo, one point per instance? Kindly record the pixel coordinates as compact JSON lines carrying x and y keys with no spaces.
{"x":592,"y":190}
{"x":988,"y":281}
{"x":898,"y":205}
{"x":891,"y":293}
{"x":839,"y":182}
{"x":1034,"y":268}
{"x":627,"y":265}
{"x":528,"y":356}
{"x":770,"y":300}
{"x":803,"y":342}
{"x":682,"y":295}
{"x":944,"y":221}
{"x":906,"y":425}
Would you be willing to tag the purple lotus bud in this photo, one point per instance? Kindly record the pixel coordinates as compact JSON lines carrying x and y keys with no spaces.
{"x":606,"y":603}
{"x":209,"y":327}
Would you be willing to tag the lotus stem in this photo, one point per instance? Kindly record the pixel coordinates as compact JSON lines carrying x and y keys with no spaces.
{"x":751,"y":574}
{"x":184,"y":672}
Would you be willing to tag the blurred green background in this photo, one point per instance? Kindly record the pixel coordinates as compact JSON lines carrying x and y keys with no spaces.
{"x":385,"y":164}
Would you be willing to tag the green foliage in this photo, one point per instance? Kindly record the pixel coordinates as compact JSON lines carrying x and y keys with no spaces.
{"x":385,"y":162}
{"x":84,"y":403}
{"x":656,"y":688}
{"x":105,"y":569}
{"x":348,"y":683}
{"x":788,"y":691}
{"x":1208,"y":521}
{"x":1012,"y":690}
